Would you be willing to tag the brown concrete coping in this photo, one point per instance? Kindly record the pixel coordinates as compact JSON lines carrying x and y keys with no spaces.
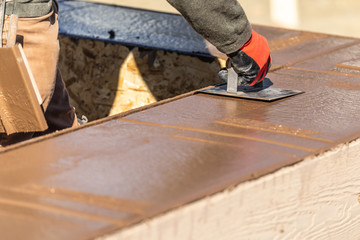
{"x":90,"y":181}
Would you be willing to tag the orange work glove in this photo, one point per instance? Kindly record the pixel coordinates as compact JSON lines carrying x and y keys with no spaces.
{"x":252,"y":62}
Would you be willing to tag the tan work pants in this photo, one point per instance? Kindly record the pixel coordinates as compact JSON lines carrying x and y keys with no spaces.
{"x":39,"y":38}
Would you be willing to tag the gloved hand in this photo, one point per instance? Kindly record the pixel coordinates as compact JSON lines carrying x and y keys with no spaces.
{"x":252,"y":62}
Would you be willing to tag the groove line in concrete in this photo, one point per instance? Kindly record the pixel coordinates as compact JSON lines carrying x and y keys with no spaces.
{"x":303,"y":37}
{"x":341,"y":65}
{"x":274,"y":131}
{"x":48,"y":208}
{"x":221,"y":134}
{"x":326,"y":72}
{"x":42,"y":221}
{"x":81,"y":197}
{"x":291,"y":155}
{"x":289,"y":64}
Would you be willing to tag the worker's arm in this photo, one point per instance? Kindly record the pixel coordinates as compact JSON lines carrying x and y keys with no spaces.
{"x":225,"y":25}
{"x":221,"y":22}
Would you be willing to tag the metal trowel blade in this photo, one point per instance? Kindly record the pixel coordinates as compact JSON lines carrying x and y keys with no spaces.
{"x":266,"y":93}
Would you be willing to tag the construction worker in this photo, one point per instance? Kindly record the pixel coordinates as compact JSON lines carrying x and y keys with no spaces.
{"x":221,"y":22}
{"x":38,"y":34}
{"x":225,"y":25}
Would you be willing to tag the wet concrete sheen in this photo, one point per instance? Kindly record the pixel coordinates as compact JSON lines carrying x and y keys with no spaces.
{"x":124,"y":170}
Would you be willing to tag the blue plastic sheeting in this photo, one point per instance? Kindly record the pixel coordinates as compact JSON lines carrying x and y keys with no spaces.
{"x":131,"y":27}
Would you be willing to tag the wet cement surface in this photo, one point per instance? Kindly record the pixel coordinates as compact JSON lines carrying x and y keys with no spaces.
{"x":123,"y":170}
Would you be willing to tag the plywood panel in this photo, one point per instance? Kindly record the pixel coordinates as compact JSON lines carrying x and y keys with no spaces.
{"x":106,"y":79}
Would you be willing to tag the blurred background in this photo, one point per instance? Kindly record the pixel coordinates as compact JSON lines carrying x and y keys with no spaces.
{"x":339,"y":17}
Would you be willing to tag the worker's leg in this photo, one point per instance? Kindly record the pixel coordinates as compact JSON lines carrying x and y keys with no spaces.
{"x":59,"y":113}
{"x":41,"y":47}
{"x":221,"y":22}
{"x":39,"y":37}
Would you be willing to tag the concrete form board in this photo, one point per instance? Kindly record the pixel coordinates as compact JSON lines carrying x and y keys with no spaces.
{"x":132,"y":27}
{"x":123,"y":170}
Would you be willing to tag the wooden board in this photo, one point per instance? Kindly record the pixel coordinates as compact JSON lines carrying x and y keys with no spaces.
{"x":19,"y":98}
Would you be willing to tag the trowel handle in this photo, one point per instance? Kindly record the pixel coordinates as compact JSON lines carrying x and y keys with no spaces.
{"x":13,"y":26}
{"x":232,"y":81}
